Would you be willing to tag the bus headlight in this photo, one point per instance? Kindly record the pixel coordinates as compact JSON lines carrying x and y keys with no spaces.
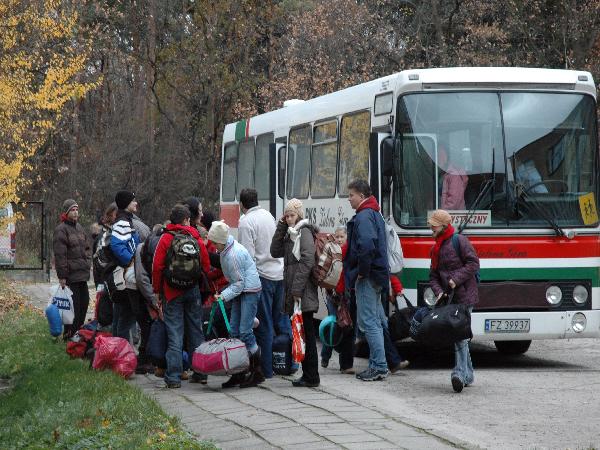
{"x":429,"y":296}
{"x":553,"y":295}
{"x":578,"y":322}
{"x":580,"y":294}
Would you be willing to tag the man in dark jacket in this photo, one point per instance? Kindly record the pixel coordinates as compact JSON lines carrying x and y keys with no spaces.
{"x":453,"y":272}
{"x":73,"y":259}
{"x":366,"y":269}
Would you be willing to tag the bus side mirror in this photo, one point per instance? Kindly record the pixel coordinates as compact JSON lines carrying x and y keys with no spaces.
{"x":387,"y":156}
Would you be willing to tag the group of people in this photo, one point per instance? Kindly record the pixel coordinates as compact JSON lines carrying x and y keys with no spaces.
{"x":262,"y":275}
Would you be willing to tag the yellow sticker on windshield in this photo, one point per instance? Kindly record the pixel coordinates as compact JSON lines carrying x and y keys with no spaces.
{"x":587,"y":205}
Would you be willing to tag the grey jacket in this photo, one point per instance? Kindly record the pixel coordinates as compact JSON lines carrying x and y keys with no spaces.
{"x":140,"y":227}
{"x":143,"y":279}
{"x":297,"y":279}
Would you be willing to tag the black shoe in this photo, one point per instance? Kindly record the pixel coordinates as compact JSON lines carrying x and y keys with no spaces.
{"x":142,"y":369}
{"x":324,"y":363}
{"x":173,"y":385}
{"x":199,"y":378}
{"x":234,"y":381}
{"x":457,"y":383}
{"x":372,"y":375}
{"x":301,"y":382}
{"x":256,"y":376}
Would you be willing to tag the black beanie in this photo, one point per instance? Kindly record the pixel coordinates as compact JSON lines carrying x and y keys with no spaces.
{"x":123,"y":199}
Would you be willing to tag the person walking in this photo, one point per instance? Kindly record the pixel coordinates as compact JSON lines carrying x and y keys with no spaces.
{"x":255,"y":232}
{"x":73,"y":259}
{"x":243,"y":292}
{"x":454,"y":273}
{"x":366,"y":269}
{"x":183,"y":307}
{"x":294,"y":242}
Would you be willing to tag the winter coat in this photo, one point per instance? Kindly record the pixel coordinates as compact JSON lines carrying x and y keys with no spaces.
{"x":159,"y":284}
{"x":462,"y":272}
{"x":367,"y":246}
{"x":143,"y":279}
{"x":239,"y":269}
{"x":72,"y":252}
{"x":142,"y":229}
{"x":453,"y":189}
{"x":297,"y":280}
{"x":124,"y":239}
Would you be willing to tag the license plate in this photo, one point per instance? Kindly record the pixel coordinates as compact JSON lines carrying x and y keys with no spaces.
{"x":507,"y":325}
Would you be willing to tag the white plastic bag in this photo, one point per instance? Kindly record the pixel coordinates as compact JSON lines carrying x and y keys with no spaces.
{"x":63,"y":299}
{"x":394,"y":250}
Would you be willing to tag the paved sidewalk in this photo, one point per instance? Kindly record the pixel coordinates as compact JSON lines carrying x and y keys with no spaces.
{"x":277,"y":415}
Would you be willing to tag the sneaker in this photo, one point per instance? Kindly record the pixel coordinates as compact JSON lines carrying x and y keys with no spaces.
{"x":199,"y":378}
{"x":173,"y":385}
{"x":401,"y":365}
{"x":457,"y":383}
{"x":373,"y":375}
{"x":324,"y":363}
{"x":349,"y":371}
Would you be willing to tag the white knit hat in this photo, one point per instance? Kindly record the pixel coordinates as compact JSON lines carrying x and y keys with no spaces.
{"x":295,"y":205}
{"x":218,"y":233}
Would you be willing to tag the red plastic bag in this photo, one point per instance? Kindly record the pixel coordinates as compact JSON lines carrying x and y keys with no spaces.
{"x":298,"y":342}
{"x":115,"y":353}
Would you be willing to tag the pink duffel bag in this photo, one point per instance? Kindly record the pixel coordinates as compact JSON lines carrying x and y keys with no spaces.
{"x":221,"y":357}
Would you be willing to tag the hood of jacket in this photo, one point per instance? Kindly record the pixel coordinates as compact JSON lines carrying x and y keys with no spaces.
{"x":368,"y":203}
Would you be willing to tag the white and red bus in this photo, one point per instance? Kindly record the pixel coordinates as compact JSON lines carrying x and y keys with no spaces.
{"x":511,"y":152}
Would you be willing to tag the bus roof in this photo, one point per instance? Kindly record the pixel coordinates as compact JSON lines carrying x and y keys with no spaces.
{"x":361,"y":96}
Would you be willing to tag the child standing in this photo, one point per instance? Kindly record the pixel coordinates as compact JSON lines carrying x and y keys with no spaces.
{"x":243,"y":291}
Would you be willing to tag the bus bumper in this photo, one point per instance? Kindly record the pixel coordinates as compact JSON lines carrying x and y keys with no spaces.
{"x":542,"y":325}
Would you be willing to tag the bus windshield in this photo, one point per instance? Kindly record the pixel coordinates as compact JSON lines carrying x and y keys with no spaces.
{"x":537,"y":150}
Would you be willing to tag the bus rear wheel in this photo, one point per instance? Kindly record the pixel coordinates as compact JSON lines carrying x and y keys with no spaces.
{"x":512,"y":347}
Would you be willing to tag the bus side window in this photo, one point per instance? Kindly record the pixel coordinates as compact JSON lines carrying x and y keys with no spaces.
{"x":229,"y":172}
{"x":245,"y":172}
{"x":299,"y":162}
{"x":281,"y":177}
{"x":262,"y":175}
{"x":324,"y":161}
{"x":354,"y":149}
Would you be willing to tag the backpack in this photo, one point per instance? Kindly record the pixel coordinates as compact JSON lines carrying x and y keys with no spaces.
{"x":456,"y":246}
{"x":182,"y":265}
{"x":328,"y":262}
{"x":394,"y":250}
{"x":104,"y":260}
{"x":148,"y":250}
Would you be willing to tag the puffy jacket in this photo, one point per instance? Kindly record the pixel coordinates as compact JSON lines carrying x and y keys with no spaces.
{"x":297,"y":280}
{"x":239,"y":269}
{"x":367,"y":246}
{"x":124,"y":239}
{"x":462,"y":272}
{"x":72,"y":252}
{"x":159,"y":284}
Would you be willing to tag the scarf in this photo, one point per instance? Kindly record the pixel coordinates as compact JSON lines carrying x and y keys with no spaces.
{"x":368,"y":203}
{"x":435,"y":252}
{"x":294,"y":233}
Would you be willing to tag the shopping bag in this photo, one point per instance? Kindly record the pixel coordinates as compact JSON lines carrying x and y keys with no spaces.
{"x":114,"y":353}
{"x":298,"y":341}
{"x":63,"y":299}
{"x":54,"y":320}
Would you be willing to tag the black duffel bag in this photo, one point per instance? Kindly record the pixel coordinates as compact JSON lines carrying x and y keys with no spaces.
{"x":444,"y":325}
{"x":399,"y":321}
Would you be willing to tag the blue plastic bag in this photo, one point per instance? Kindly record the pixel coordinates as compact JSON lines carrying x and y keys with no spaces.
{"x":54,"y":320}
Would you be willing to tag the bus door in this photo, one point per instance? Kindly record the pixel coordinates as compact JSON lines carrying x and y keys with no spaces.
{"x":277,"y":166}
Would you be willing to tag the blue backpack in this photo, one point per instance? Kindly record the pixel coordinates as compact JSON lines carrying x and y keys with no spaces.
{"x":456,"y":246}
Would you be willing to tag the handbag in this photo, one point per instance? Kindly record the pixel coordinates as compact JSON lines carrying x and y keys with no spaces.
{"x":344,"y":319}
{"x":63,"y":300}
{"x":298,"y":340}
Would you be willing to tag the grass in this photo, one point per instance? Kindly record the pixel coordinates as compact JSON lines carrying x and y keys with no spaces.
{"x":56,"y":402}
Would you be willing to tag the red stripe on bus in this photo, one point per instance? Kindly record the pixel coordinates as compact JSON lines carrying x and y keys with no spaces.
{"x":514,"y":247}
{"x":247,"y":128}
{"x":230,"y":213}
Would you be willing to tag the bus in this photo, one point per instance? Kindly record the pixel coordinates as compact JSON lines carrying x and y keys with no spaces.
{"x":512,"y":153}
{"x":7,"y":237}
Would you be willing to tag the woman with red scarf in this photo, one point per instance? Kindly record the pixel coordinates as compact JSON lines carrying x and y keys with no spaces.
{"x":451,"y":271}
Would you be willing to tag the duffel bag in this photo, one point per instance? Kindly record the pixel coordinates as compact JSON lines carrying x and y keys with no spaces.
{"x":282,"y":355}
{"x":222,"y":356}
{"x":444,"y":325}
{"x":399,"y":321}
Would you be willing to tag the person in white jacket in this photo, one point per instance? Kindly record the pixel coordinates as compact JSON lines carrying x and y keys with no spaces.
{"x":255,"y":232}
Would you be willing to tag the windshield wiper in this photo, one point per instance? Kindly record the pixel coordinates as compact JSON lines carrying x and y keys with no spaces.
{"x":488,"y":185}
{"x":541,"y":211}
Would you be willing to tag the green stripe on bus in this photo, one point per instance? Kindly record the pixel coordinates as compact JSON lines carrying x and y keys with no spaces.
{"x":240,"y":130}
{"x":410,"y":277}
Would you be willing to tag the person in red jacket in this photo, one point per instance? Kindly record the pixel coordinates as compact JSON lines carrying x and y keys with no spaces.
{"x":181,"y":308}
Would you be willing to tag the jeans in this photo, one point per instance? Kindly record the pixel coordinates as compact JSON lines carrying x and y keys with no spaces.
{"x":310,"y":369}
{"x":183,"y":312}
{"x":133,"y":310}
{"x":326,"y":350}
{"x":81,"y":300}
{"x":369,"y":310}
{"x":272,"y":321}
{"x":243,"y":312}
{"x":463,"y":367}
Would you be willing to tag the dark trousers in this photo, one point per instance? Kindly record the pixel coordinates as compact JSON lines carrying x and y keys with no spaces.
{"x":310,"y":365}
{"x":131,"y":309}
{"x":81,"y":300}
{"x":346,"y":345}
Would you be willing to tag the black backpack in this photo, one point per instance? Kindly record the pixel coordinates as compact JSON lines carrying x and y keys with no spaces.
{"x":148,"y":250}
{"x":104,"y":260}
{"x":182,"y":265}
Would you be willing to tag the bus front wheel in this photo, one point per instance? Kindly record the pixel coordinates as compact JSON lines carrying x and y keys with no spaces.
{"x":512,"y":347}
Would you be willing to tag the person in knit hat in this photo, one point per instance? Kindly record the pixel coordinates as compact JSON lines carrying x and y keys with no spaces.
{"x":243,"y":292}
{"x":456,"y":272}
{"x":294,"y":242}
{"x":72,"y":259}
